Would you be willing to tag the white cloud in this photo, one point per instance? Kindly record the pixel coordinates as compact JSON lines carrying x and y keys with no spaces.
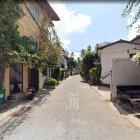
{"x":134,"y":31}
{"x":65,"y":43}
{"x":70,"y":22}
{"x":76,"y":54}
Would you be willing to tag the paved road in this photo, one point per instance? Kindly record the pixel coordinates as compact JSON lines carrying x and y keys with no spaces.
{"x":74,"y":111}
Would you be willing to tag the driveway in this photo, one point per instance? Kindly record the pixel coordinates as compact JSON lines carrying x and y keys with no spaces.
{"x":74,"y":111}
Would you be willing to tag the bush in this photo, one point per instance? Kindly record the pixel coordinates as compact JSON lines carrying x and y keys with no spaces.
{"x":95,"y":74}
{"x":87,"y":64}
{"x":51,"y":82}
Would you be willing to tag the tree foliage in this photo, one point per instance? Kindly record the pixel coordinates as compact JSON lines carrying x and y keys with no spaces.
{"x":95,"y":74}
{"x":15,"y":48}
{"x":10,"y":39}
{"x":128,"y":9}
{"x":71,"y":63}
{"x":87,"y":63}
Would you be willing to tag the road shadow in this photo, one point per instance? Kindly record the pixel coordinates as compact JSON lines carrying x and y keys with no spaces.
{"x":84,"y":81}
{"x":36,"y":101}
{"x":16,"y":120}
{"x":126,"y":108}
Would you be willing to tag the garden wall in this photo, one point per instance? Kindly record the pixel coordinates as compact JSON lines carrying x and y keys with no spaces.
{"x":124,"y":72}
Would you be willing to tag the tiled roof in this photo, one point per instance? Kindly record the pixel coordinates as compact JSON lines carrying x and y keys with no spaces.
{"x":137,"y":37}
{"x":49,"y":10}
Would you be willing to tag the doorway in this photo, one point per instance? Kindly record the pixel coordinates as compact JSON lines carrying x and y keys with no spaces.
{"x":16,"y":78}
{"x":33,"y":78}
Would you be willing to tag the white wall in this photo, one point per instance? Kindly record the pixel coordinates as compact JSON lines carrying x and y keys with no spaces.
{"x":124,"y":72}
{"x":119,"y":50}
{"x":43,"y":80}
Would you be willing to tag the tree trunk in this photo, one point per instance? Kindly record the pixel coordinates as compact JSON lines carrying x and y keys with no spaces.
{"x":2,"y":73}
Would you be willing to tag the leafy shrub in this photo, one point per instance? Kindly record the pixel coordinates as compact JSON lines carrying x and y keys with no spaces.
{"x":87,"y":64}
{"x":95,"y":74}
{"x":136,"y":58}
{"x":51,"y":82}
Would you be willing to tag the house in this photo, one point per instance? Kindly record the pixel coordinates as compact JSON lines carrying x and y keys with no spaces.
{"x":118,"y":49}
{"x":136,"y":39}
{"x":29,"y":25}
{"x":63,"y":61}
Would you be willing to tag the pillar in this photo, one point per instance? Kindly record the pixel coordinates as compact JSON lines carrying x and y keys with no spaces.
{"x":25,"y":78}
{"x":40,"y":78}
{"x":6,"y":83}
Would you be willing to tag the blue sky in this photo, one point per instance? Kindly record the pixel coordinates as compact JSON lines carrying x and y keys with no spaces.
{"x":84,"y":24}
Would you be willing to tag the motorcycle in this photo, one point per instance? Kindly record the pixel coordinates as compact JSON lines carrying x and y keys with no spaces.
{"x":30,"y":93}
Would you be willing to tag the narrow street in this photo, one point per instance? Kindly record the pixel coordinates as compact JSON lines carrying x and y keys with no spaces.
{"x":73,"y":111}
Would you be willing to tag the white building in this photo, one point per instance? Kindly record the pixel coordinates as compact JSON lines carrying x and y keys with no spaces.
{"x":118,"y":49}
{"x":63,"y":61}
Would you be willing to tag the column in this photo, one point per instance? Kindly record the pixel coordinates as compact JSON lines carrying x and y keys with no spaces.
{"x":6,"y":83}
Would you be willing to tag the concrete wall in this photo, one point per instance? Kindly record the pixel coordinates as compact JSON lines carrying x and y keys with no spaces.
{"x":119,"y":50}
{"x":124,"y":72}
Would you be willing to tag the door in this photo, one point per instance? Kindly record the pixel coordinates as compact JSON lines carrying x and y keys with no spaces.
{"x":33,"y":78}
{"x":16,"y":78}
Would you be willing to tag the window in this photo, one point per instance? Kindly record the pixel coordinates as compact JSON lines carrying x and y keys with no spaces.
{"x":34,"y":11}
{"x":33,"y":37}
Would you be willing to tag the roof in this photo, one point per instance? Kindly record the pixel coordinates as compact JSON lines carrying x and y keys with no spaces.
{"x":137,"y":37}
{"x":119,"y":41}
{"x":49,"y":10}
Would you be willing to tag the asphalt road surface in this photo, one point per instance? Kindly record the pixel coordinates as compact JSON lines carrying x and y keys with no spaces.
{"x":73,"y":111}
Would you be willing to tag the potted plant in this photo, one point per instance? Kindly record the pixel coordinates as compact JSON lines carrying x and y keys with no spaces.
{"x":2,"y":91}
{"x":51,"y":83}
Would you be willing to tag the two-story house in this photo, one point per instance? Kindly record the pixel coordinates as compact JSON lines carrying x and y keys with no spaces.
{"x":29,"y":25}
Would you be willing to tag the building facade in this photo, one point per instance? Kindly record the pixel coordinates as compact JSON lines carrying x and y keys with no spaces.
{"x":17,"y":76}
{"x":119,"y":49}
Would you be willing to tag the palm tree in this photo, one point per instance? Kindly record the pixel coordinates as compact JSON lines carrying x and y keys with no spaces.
{"x":89,"y":48}
{"x":82,"y":52}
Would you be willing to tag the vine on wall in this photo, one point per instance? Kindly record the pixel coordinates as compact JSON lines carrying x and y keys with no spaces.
{"x":16,"y":48}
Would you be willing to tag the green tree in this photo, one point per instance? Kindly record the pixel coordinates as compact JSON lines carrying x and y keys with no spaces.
{"x":89,"y":48}
{"x":71,"y":63}
{"x":82,"y":52}
{"x":10,"y":39}
{"x":87,"y":63}
{"x":128,"y":9}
